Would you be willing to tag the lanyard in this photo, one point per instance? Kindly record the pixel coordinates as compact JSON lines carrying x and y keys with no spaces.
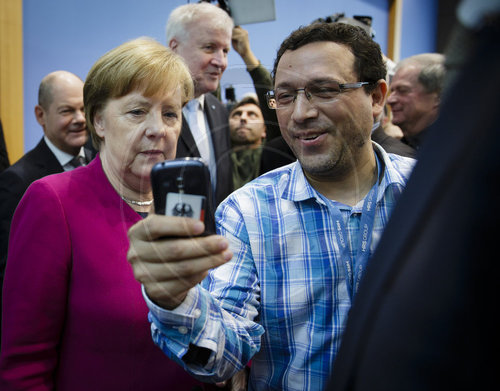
{"x":353,"y":277}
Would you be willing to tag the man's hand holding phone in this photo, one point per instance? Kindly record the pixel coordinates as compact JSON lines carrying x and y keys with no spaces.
{"x":172,"y":251}
{"x":169,"y":257}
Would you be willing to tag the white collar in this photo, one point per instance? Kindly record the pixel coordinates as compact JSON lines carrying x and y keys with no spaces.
{"x":201,"y":101}
{"x":62,"y":157}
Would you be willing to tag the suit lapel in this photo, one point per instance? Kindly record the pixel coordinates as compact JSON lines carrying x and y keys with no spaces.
{"x":214,"y":123}
{"x":43,"y":158}
{"x":186,"y":146}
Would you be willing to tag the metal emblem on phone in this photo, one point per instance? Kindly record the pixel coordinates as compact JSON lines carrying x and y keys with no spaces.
{"x":184,"y":205}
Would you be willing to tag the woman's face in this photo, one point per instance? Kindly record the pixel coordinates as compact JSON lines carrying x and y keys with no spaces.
{"x":137,"y":133}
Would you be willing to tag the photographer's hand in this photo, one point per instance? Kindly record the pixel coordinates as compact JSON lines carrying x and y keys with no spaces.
{"x":241,"y":44}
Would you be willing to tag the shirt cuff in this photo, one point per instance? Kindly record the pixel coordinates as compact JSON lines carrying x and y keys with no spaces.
{"x":174,"y":330}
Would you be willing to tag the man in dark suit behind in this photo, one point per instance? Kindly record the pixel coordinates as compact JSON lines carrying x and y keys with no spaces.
{"x":201,"y":34}
{"x":425,"y":314}
{"x":60,"y":113}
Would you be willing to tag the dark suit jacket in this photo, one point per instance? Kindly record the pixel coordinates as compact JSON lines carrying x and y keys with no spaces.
{"x":14,"y":181}
{"x":275,"y":153}
{"x":391,"y":144}
{"x":4,"y":156}
{"x":218,"y":121}
{"x":425,"y":315}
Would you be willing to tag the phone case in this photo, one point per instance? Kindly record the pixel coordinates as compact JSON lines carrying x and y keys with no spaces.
{"x":181,"y":187}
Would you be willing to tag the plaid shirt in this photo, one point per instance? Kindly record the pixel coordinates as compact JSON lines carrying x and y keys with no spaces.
{"x":282,"y":300}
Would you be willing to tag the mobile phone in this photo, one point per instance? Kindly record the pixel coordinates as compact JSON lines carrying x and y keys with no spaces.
{"x":181,"y":187}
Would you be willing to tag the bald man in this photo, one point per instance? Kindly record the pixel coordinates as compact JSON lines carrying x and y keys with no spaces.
{"x":60,"y":114}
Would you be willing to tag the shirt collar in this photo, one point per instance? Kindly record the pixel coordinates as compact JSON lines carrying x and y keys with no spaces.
{"x":201,"y":101}
{"x":62,"y":157}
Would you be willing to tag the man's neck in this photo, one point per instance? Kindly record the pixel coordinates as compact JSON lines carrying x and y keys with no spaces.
{"x":351,"y":187}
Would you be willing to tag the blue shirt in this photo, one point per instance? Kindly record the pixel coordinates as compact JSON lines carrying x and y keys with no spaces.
{"x":282,"y":301}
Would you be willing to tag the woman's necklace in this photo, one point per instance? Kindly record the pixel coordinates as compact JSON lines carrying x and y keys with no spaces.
{"x":139,"y":203}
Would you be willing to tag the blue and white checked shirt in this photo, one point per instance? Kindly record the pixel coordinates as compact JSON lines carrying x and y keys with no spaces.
{"x":282,"y":300}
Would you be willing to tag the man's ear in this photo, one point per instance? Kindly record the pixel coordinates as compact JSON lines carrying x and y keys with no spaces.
{"x":379,"y":95}
{"x":99,"y":124}
{"x":173,"y":44}
{"x":436,"y":100}
{"x":40,"y":115}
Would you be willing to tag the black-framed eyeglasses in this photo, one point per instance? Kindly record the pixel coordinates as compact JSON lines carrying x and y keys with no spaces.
{"x":317,"y":93}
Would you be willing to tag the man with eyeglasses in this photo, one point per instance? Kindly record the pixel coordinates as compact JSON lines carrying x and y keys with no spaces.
{"x":292,"y":245}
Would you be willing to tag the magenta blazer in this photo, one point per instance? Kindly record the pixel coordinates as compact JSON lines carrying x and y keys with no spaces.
{"x":73,"y":315}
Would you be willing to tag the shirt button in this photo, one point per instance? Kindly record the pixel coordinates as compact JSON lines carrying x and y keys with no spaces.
{"x":183,"y":329}
{"x":197,"y":313}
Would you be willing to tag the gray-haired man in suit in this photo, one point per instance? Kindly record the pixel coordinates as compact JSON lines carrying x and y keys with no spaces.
{"x":201,"y":34}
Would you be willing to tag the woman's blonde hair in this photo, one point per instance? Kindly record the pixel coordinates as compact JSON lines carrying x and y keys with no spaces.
{"x":142,"y":64}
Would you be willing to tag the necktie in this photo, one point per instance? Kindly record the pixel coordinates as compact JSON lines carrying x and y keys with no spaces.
{"x":77,"y":161}
{"x":201,"y":135}
{"x":198,"y":132}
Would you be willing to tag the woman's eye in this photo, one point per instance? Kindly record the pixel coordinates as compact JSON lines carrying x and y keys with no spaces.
{"x":137,"y":112}
{"x":170,"y":114}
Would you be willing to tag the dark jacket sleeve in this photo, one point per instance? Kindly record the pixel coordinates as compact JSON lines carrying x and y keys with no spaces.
{"x":4,"y":156}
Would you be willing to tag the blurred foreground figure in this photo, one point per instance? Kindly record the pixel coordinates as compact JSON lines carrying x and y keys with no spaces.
{"x":422,"y":319}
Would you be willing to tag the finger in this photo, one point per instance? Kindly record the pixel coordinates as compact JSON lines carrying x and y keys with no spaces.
{"x":186,"y":269}
{"x":157,"y":226}
{"x":171,"y":293}
{"x":174,"y":250}
{"x":168,"y":291}
{"x":167,"y":284}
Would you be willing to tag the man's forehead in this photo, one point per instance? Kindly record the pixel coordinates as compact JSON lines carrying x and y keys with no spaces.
{"x":66,"y":99}
{"x":205,"y":31}
{"x":246,"y":107}
{"x":316,"y":62}
{"x":409,"y":72}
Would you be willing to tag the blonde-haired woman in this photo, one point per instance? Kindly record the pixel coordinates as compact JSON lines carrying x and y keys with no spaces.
{"x":73,"y":314}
